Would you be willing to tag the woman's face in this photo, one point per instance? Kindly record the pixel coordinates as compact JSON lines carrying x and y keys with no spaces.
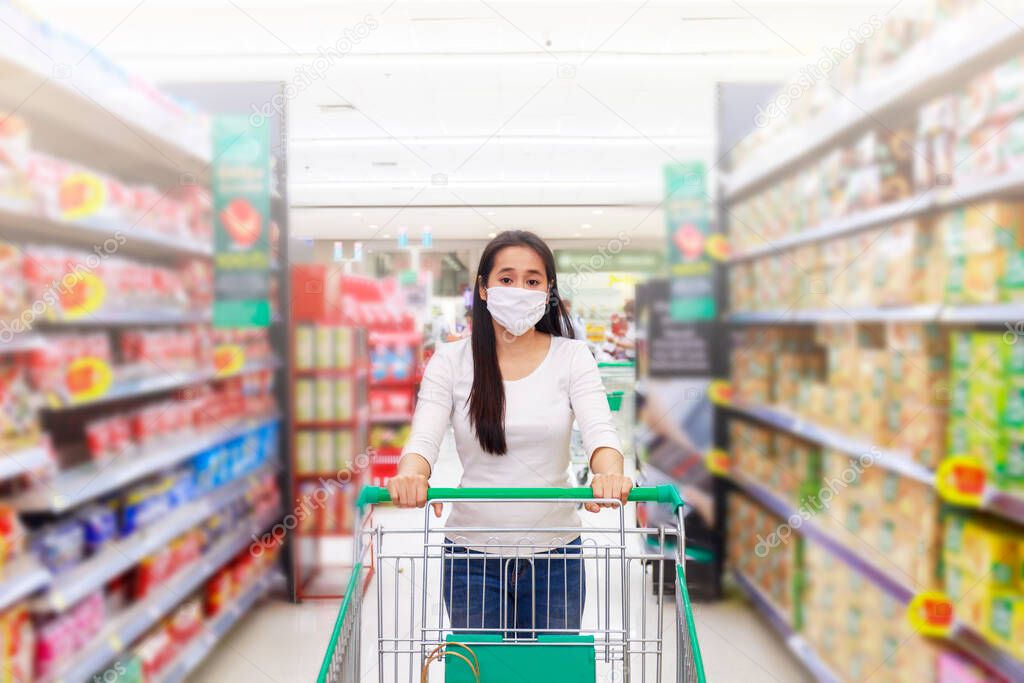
{"x":517,"y":266}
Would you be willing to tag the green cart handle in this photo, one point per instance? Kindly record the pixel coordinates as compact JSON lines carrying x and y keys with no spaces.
{"x":375,"y":495}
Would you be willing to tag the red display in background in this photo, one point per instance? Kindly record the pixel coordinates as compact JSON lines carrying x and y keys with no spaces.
{"x":321,"y":294}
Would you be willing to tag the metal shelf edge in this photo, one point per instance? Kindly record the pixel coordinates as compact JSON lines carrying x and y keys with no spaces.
{"x":809,"y":529}
{"x":796,"y":643}
{"x":894,"y":461}
{"x":216,"y":629}
{"x":68,"y":589}
{"x":131,"y":624}
{"x":52,"y":498}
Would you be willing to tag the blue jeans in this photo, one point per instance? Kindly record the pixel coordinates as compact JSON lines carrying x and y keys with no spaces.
{"x":544,"y":592}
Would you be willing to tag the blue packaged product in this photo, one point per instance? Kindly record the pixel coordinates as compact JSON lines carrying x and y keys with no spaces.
{"x":99,"y":526}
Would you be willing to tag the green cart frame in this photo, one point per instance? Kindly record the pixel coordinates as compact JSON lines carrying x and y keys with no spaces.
{"x":622,"y":621}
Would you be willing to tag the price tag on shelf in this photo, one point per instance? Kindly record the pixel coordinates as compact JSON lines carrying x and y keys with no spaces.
{"x":88,"y":379}
{"x":717,"y":462}
{"x":228,"y":359}
{"x":81,"y":194}
{"x":720,"y":392}
{"x":717,"y":247}
{"x":931,"y":614}
{"x":961,"y":480}
{"x":81,"y":293}
{"x":115,"y":642}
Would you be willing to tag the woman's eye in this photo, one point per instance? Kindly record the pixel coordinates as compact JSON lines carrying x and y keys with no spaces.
{"x":533,"y":283}
{"x":505,"y":280}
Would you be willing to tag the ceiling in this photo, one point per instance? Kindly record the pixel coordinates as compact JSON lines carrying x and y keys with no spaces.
{"x":477,"y":115}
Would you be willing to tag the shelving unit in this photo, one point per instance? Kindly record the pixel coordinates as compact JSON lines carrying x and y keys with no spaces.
{"x":94,"y":573}
{"x":128,"y":626}
{"x":23,"y":462}
{"x":960,"y":49}
{"x":218,"y":627}
{"x":960,"y":636}
{"x":21,"y":222}
{"x":778,"y":621}
{"x":956,"y":52}
{"x":146,"y":144}
{"x":77,"y":486}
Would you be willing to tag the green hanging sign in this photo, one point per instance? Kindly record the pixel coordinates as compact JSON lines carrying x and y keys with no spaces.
{"x":241,"y":222}
{"x":691,"y":242}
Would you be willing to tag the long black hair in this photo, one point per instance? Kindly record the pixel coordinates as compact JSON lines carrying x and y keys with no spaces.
{"x":487,"y":397}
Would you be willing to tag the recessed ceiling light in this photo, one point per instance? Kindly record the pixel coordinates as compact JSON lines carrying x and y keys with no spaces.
{"x":491,"y":213}
{"x":577,"y":234}
{"x":337,"y":106}
{"x":356,"y":214}
{"x":492,"y":235}
{"x":598,"y":212}
{"x":386,"y":235}
{"x":373,"y":227}
{"x":585,"y":226}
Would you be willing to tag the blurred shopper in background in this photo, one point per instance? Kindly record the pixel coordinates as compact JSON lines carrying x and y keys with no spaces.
{"x":579,"y":326}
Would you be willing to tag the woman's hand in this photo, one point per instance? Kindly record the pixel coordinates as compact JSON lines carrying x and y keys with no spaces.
{"x":410,"y":491}
{"x":615,"y":486}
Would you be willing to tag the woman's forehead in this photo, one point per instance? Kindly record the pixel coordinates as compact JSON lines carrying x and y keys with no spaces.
{"x":518,"y":258}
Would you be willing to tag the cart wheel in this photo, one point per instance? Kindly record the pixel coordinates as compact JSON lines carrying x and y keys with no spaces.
{"x":663,"y":577}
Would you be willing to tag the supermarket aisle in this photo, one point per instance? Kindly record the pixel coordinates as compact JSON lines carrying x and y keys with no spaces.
{"x":284,"y":643}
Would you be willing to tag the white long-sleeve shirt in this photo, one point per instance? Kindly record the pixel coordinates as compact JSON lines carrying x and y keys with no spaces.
{"x":539,"y":411}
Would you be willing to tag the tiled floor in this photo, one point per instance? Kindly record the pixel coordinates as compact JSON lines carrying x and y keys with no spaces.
{"x":284,"y":643}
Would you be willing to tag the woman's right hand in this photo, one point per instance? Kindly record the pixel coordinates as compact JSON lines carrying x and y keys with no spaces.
{"x":410,"y":491}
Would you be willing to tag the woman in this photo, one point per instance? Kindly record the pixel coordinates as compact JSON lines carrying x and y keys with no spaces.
{"x":511,"y":392}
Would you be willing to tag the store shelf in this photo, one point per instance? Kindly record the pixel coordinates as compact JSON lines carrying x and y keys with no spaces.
{"x":897,"y":461}
{"x":1003,"y":504}
{"x":126,"y":627}
{"x":956,"y":51}
{"x":132,"y":388}
{"x":390,"y":418}
{"x":312,"y":373}
{"x":21,"y":342}
{"x":22,"y":577}
{"x":118,"y":318}
{"x":79,"y":485}
{"x":843,"y":226}
{"x":71,"y":586}
{"x":974,"y":644}
{"x":994,"y":314}
{"x":800,"y":648}
{"x":156,"y":383}
{"x":24,"y":461}
{"x":78,"y":120}
{"x":810,"y":529}
{"x":216,"y":628}
{"x":22,"y":221}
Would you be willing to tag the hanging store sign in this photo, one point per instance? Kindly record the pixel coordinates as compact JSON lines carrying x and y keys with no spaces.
{"x":241,"y":205}
{"x":692,"y":245}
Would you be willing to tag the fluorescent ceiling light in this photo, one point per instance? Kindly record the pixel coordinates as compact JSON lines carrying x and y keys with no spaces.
{"x":598,"y":212}
{"x":492,"y":235}
{"x":585,"y":226}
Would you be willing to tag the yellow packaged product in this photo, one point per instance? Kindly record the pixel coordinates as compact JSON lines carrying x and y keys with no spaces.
{"x":1005,"y":623}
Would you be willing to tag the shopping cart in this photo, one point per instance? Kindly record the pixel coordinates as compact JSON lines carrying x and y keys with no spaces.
{"x":615,"y":633}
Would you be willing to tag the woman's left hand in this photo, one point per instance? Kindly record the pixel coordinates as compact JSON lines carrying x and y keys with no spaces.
{"x":609,"y":486}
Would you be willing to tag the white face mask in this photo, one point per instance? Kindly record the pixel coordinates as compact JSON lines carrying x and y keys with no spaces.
{"x":517,"y":309}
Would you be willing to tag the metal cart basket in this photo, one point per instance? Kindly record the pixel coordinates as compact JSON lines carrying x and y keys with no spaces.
{"x":612,"y":629}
